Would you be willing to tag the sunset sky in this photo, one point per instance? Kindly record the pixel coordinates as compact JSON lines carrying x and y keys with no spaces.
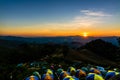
{"x":60,"y":17}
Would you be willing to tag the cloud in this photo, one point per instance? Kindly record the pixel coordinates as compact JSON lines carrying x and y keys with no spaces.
{"x":94,"y":13}
{"x":90,"y":18}
{"x":86,"y":21}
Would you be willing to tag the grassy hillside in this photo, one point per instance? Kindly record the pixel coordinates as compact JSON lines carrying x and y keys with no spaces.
{"x":88,"y":57}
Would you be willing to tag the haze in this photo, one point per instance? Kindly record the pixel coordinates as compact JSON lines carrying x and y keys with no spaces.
{"x":60,"y":17}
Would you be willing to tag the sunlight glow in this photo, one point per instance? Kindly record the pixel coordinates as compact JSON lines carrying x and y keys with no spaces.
{"x":85,"y":34}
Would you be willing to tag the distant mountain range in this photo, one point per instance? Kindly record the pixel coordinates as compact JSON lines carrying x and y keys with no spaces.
{"x":98,"y":50}
{"x":71,"y":40}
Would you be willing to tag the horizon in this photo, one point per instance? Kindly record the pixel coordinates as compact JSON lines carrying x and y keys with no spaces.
{"x":52,"y":18}
{"x":56,"y":36}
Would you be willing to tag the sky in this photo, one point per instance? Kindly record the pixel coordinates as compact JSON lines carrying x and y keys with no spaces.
{"x":60,"y":17}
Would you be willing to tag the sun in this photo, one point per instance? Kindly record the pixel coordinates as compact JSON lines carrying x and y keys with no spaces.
{"x":85,"y":34}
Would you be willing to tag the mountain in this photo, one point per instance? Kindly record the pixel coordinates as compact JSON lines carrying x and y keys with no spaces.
{"x":102,"y":48}
{"x":10,"y":43}
{"x":96,"y":51}
{"x":87,"y":56}
{"x":68,"y":40}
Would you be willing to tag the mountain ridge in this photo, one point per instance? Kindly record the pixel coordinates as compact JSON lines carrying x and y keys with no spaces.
{"x":61,"y":39}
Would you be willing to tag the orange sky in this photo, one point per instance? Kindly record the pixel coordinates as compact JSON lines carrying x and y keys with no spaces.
{"x":60,"y":18}
{"x":44,"y":32}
